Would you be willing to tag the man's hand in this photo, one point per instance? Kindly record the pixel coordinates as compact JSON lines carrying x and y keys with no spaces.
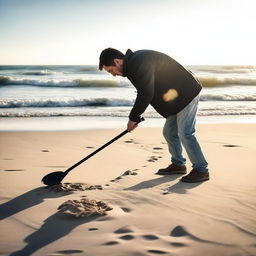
{"x":131,"y":125}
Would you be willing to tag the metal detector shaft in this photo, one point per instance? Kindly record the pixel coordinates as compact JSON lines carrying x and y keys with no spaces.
{"x":97,"y":150}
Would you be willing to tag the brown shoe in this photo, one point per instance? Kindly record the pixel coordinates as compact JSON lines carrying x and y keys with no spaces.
{"x":196,"y":176}
{"x":173,"y":169}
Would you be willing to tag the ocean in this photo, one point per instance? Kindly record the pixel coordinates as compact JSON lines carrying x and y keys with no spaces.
{"x":84,"y":91}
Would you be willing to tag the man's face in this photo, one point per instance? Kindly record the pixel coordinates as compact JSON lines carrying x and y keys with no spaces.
{"x":115,"y":70}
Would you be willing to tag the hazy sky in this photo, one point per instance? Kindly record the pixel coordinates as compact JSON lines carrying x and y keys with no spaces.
{"x":75,"y":31}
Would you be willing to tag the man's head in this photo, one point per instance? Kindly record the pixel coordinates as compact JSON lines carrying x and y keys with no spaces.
{"x":111,"y":60}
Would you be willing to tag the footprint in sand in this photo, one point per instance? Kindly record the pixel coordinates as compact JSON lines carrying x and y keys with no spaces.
{"x":93,"y":229}
{"x":116,"y":179}
{"x":129,"y":141}
{"x":125,"y":209}
{"x":153,"y":158}
{"x":126,"y":173}
{"x":156,"y":251}
{"x":127,"y":237}
{"x":150,"y":237}
{"x":111,"y":243}
{"x":123,"y":230}
{"x":165,"y":192}
{"x":179,"y":231}
{"x":231,"y":146}
{"x":176,"y":244}
{"x":67,"y":252}
{"x":157,"y":148}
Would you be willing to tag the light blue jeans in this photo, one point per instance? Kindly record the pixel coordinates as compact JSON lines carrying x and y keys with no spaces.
{"x":180,"y":130}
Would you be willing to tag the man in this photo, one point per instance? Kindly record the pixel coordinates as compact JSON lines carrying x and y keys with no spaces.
{"x":174,"y":93}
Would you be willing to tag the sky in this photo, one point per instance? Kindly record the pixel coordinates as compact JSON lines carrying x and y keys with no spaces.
{"x":74,"y":32}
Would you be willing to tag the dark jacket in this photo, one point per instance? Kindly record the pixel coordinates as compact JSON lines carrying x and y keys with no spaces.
{"x":153,"y":74}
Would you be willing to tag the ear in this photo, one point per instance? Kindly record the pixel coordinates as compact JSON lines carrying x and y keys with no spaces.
{"x":117,"y":62}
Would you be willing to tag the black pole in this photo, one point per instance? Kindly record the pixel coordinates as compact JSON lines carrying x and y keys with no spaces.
{"x":97,"y":150}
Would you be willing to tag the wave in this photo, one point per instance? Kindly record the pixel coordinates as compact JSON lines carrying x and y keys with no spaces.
{"x":206,"y":81}
{"x":225,"y":69}
{"x":106,"y":102}
{"x":227,"y":97}
{"x":215,"y":81}
{"x":89,"y":68}
{"x":39,"y":73}
{"x":42,"y":103}
{"x":8,"y":80}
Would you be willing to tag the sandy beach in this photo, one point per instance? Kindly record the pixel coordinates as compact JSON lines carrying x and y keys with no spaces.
{"x":151,"y":215}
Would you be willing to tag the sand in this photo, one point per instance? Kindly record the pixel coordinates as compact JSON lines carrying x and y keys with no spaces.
{"x":148,"y":214}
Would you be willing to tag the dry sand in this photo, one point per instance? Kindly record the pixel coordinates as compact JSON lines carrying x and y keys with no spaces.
{"x":151,"y":215}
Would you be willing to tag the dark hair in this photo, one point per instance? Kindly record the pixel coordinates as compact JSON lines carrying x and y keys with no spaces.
{"x":107,"y":57}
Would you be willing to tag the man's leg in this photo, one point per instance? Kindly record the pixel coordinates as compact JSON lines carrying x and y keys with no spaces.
{"x":186,"y":120}
{"x":170,"y":133}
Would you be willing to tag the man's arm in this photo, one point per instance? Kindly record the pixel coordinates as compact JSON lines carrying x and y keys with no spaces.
{"x":144,"y":82}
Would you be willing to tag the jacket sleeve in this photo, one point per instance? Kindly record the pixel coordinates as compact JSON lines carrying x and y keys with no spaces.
{"x":144,"y":83}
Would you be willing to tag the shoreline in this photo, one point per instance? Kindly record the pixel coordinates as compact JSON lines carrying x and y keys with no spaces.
{"x":80,"y":123}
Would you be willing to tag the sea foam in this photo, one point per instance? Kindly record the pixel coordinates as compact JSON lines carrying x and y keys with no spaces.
{"x":214,"y":81}
{"x":39,"y":73}
{"x":64,"y":102}
{"x":9,"y":80}
{"x":206,"y":80}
